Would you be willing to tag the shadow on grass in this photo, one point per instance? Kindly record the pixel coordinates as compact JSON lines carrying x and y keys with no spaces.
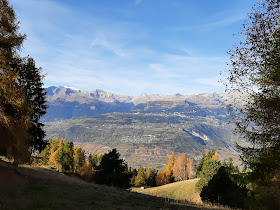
{"x":27,"y":187}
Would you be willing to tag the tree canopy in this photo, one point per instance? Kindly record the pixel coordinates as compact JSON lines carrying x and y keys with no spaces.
{"x":22,"y":97}
{"x":112,"y":170}
{"x":255,"y":72}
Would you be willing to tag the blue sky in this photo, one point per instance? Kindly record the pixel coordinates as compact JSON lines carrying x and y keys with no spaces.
{"x":132,"y":46}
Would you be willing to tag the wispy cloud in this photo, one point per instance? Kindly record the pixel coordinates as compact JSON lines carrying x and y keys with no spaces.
{"x":213,"y":24}
{"x":136,"y":2}
{"x":116,"y":55}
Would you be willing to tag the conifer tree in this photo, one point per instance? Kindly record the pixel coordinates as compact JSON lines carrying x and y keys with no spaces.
{"x":65,"y":157}
{"x":203,"y":158}
{"x":190,"y":168}
{"x":79,"y":159}
{"x":111,"y":170}
{"x":30,"y":80}
{"x":22,"y":98}
{"x":169,"y":167}
{"x":161,"y":178}
{"x":255,"y":72}
{"x":140,"y":179}
{"x":14,"y":111}
{"x":87,"y":171}
{"x":209,"y":169}
{"x":180,"y":168}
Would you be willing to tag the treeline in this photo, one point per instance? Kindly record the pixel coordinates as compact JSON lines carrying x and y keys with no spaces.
{"x":220,"y":181}
{"x":109,"y":169}
{"x":62,"y":155}
{"x":177,"y":169}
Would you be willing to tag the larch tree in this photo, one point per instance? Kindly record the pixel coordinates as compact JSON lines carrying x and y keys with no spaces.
{"x":140,"y":179}
{"x":169,"y":167}
{"x":161,"y":178}
{"x":216,"y":157}
{"x":79,"y":159}
{"x":255,"y":72}
{"x":190,"y":168}
{"x":22,"y":98}
{"x":180,"y":167}
{"x":65,"y":157}
{"x":14,"y":111}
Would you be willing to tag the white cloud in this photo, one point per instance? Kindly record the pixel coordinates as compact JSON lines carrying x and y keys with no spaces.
{"x":109,"y":55}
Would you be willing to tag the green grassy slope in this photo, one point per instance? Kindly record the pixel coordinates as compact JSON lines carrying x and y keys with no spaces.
{"x":184,"y":190}
{"x":28,"y":187}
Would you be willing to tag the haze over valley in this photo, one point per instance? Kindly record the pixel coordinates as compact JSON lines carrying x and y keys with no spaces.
{"x":145,"y":128}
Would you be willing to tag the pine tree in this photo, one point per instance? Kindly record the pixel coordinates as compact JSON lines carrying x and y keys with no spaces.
{"x":30,"y":79}
{"x":111,"y":170}
{"x":22,"y":97}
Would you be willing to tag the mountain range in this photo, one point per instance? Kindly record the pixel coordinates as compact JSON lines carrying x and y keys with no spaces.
{"x":145,"y":128}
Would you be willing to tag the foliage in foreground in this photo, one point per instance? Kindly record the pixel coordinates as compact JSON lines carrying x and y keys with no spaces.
{"x":222,"y":189}
{"x":207,"y":168}
{"x":22,"y":97}
{"x":255,"y":71}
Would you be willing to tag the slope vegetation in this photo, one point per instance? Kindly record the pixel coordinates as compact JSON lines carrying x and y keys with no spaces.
{"x":28,"y":187}
{"x":183,"y":191}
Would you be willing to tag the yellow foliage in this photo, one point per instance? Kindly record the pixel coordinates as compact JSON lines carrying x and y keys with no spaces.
{"x":56,"y":144}
{"x":52,"y":159}
{"x":216,"y":157}
{"x":161,"y":178}
{"x":180,"y":167}
{"x":87,"y":171}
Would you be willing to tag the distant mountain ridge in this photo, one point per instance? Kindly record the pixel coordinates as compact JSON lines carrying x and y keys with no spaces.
{"x":67,"y":102}
{"x":145,"y":128}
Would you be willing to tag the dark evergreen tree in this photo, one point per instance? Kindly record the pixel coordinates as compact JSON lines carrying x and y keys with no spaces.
{"x":30,"y":78}
{"x":209,"y":169}
{"x":111,"y":170}
{"x":223,"y":190}
{"x":200,"y":164}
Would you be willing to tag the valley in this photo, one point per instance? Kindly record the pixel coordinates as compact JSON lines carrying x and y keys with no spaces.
{"x":146,"y":133}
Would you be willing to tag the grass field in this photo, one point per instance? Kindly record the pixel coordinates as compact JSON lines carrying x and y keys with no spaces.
{"x":34,"y":187}
{"x":183,"y":191}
